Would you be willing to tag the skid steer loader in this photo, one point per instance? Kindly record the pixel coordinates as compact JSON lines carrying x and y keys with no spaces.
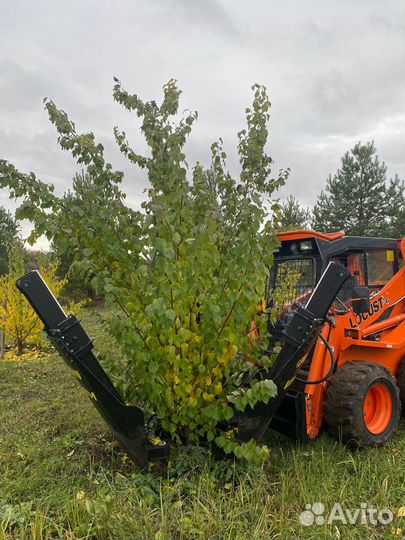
{"x":342,"y":357}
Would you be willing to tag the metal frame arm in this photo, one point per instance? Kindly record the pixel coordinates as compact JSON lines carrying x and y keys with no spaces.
{"x":127,"y":422}
{"x":299,"y":336}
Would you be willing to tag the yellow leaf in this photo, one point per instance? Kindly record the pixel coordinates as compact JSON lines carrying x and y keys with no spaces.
{"x":17,"y":318}
{"x":218,"y":388}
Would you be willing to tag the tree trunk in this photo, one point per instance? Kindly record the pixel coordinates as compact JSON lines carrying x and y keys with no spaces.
{"x":20,"y":348}
{"x":2,"y":343}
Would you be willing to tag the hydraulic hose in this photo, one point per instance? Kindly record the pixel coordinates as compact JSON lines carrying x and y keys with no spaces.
{"x":332,"y":367}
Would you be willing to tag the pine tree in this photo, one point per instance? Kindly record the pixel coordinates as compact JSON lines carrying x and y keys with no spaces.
{"x":395,"y":227}
{"x":357,"y":198}
{"x":293,"y":215}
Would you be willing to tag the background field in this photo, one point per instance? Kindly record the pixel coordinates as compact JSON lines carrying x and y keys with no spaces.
{"x":62,"y":476}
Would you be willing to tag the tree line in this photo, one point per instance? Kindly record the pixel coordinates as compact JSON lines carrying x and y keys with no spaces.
{"x":358,"y":199}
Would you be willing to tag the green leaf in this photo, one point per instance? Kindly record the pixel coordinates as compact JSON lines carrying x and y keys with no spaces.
{"x":170,"y":314}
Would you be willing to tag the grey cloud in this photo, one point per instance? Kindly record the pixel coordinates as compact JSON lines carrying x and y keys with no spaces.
{"x":210,"y":13}
{"x":14,"y":82}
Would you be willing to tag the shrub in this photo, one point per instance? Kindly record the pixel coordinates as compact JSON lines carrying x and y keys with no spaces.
{"x":18,"y":322}
{"x":186,"y":274}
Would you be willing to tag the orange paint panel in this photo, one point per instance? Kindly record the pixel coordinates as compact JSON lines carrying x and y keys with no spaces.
{"x":304,"y":235}
{"x":385,"y":322}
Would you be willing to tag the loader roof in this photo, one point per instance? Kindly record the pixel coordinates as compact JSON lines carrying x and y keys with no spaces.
{"x":304,"y":234}
{"x":332,"y":243}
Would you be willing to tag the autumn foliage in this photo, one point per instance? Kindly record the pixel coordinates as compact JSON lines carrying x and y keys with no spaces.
{"x":18,"y":322}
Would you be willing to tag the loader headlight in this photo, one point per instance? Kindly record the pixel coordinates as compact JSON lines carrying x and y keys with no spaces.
{"x":306,"y":245}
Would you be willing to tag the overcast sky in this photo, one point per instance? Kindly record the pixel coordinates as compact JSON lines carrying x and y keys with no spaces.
{"x":335,"y":72}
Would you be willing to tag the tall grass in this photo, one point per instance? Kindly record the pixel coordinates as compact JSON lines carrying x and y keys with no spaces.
{"x":62,"y":476}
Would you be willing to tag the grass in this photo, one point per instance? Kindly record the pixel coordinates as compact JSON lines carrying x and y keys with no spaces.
{"x":62,"y":476}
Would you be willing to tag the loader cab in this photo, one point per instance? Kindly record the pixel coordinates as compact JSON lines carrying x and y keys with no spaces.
{"x":303,"y":256}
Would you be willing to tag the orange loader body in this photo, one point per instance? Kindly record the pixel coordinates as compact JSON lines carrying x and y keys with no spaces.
{"x":376,"y":337}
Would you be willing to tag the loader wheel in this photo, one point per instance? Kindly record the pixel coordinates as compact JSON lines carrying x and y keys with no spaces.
{"x":362,"y":405}
{"x":401,"y":383}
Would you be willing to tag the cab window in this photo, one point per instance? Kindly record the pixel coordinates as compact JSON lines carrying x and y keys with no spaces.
{"x":299,"y":274}
{"x":355,"y":263}
{"x":380,"y":267}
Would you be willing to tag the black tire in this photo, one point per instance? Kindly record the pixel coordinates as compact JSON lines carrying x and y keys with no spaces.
{"x":345,"y":401}
{"x":401,"y":383}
